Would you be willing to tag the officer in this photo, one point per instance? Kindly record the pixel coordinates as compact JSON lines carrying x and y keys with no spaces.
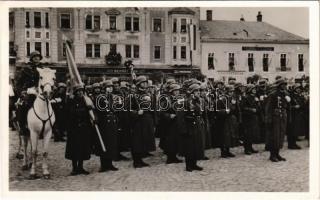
{"x":79,"y":131}
{"x":173,"y":123}
{"x":251,"y":110}
{"x":193,"y":147}
{"x":27,"y":80}
{"x":276,"y":119}
{"x":143,"y":139}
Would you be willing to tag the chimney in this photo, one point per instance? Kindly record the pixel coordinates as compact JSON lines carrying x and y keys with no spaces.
{"x":259,"y":17}
{"x":242,"y":18}
{"x":209,"y":15}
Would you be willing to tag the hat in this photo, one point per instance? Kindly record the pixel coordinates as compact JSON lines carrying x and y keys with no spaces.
{"x":108,"y":83}
{"x":78,"y":87}
{"x":62,"y":85}
{"x":237,"y":85}
{"x":194,"y":87}
{"x":203,"y":86}
{"x":123,"y":84}
{"x":115,"y":80}
{"x":170,"y":81}
{"x":150,"y":83}
{"x":230,"y":88}
{"x":262,"y":82}
{"x":96,"y":85}
{"x":280,"y":81}
{"x":232,"y":81}
{"x":278,"y":77}
{"x":141,"y":79}
{"x":250,"y":87}
{"x":174,"y":87}
{"x":35,"y":53}
{"x":296,"y":86}
{"x":88,"y":87}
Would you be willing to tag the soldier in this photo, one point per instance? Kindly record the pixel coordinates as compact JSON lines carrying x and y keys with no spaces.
{"x":122,"y":115}
{"x":262,"y":95}
{"x":205,"y":118}
{"x":276,"y":119}
{"x":79,"y":131}
{"x":251,"y":110}
{"x":192,"y":140}
{"x":60,"y":112}
{"x":173,"y":124}
{"x":143,"y":139}
{"x":297,"y":117}
{"x":108,"y":124}
{"x":27,"y":80}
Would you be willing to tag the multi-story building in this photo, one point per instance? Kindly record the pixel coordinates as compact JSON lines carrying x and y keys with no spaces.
{"x":155,"y":39}
{"x":240,"y":49}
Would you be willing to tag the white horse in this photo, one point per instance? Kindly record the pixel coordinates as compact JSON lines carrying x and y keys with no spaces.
{"x":41,"y":119}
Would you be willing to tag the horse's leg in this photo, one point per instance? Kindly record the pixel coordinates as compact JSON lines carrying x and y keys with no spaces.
{"x":25,"y":151}
{"x":46,"y":140}
{"x":34,"y":145}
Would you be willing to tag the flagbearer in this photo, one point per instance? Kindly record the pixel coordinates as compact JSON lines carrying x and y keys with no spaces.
{"x":79,"y":131}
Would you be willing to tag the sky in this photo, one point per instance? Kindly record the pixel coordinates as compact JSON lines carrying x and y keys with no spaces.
{"x":294,"y":19}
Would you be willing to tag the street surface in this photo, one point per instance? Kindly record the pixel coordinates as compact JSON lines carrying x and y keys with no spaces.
{"x":245,"y":173}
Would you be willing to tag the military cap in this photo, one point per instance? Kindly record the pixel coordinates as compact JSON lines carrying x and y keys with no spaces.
{"x":108,"y":83}
{"x":62,"y":85}
{"x":123,"y":84}
{"x":35,"y":53}
{"x":141,"y":79}
{"x":115,"y":80}
{"x":88,"y":87}
{"x":170,"y":81}
{"x":174,"y":87}
{"x":230,"y":88}
{"x":237,"y":85}
{"x":203,"y":86}
{"x":150,"y":83}
{"x":262,"y":82}
{"x":278,"y":77}
{"x":280,"y":81}
{"x":194,"y":87}
{"x":296,"y":86}
{"x":96,"y":85}
{"x":78,"y":87}
{"x":250,"y":87}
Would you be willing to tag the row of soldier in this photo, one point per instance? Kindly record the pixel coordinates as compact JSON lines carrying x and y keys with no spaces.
{"x":240,"y":115}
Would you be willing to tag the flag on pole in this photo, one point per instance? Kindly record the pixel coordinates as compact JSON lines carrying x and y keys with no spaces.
{"x":76,"y":80}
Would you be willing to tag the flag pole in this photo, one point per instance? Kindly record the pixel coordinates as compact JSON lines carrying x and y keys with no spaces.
{"x":75,"y":75}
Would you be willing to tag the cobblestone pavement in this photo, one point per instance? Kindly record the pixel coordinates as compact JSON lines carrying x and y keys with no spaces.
{"x":242,"y":173}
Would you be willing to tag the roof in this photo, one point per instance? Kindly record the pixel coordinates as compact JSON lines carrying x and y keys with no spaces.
{"x":251,"y":31}
{"x":181,"y":10}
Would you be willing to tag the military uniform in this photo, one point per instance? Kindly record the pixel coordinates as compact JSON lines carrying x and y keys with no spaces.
{"x":60,"y":113}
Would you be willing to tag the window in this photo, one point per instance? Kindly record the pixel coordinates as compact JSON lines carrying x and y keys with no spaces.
{"x":209,"y":15}
{"x":37,"y":19}
{"x":128,"y":24}
{"x":136,"y":24}
{"x":174,"y":28}
{"x":11,"y":20}
{"x":211,"y":61}
{"x":128,"y":51}
{"x":283,"y":62}
{"x":231,"y":62}
{"x":47,"y":49}
{"x":12,"y":52}
{"x":28,"y":48}
{"x":28,"y":34}
{"x":47,"y":35}
{"x":265,"y":62}
{"x":132,"y":24}
{"x":37,"y":34}
{"x":93,"y":20}
{"x":174,"y":39}
{"x":300,"y":63}
{"x":97,"y":50}
{"x":157,"y":25}
{"x":27,"y":19}
{"x":113,"y":47}
{"x":183,"y":53}
{"x":88,"y":50}
{"x":183,"y":39}
{"x":113,"y":22}
{"x":157,"y":54}
{"x":47,"y":20}
{"x":65,"y":21}
{"x":37,"y":46}
{"x":183,"y":25}
{"x":250,"y":62}
{"x":136,"y":51}
{"x":174,"y":52}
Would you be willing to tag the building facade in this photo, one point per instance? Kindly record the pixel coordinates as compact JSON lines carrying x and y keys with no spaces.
{"x":240,"y":49}
{"x":155,"y":39}
{"x":170,"y":41}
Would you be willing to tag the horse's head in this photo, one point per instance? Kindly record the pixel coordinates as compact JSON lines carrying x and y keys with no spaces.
{"x":46,"y":81}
